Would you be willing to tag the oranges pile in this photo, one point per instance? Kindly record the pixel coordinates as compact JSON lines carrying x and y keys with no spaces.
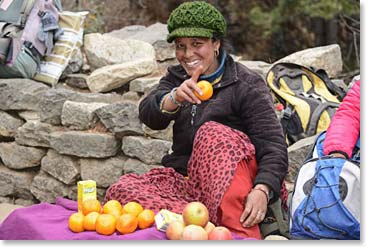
{"x":111,"y":217}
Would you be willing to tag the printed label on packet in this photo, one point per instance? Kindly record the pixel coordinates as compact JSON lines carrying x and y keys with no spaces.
{"x":86,"y":190}
{"x":164,"y":218}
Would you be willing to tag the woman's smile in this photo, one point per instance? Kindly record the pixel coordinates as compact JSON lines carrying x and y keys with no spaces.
{"x":193,"y":52}
{"x":194,"y":63}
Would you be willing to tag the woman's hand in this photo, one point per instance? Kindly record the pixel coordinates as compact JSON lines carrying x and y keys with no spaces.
{"x":185,"y":92}
{"x":256,"y":205}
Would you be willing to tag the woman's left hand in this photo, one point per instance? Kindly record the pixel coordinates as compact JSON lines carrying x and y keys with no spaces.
{"x":256,"y":205}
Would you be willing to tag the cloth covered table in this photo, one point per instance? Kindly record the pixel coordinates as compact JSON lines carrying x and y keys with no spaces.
{"x":46,"y":221}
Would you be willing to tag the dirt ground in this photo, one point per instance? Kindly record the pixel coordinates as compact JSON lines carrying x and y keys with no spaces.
{"x":6,"y":209}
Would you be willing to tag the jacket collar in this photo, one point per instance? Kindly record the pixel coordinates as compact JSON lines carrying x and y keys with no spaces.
{"x":230,"y":74}
{"x":216,"y":75}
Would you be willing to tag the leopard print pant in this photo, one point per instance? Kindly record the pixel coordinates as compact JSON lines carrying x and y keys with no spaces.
{"x":216,"y":152}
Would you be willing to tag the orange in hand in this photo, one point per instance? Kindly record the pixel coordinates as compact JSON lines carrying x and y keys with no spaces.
{"x":90,"y":220}
{"x":126,"y":223}
{"x":76,"y":222}
{"x":105,"y":224}
{"x":91,"y":205}
{"x":207,"y":90}
{"x":133,"y":208}
{"x":113,"y":207}
{"x":146,"y":218}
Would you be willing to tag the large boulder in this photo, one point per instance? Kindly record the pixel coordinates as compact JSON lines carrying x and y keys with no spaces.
{"x":21,"y":94}
{"x":155,"y":35}
{"x":327,"y":57}
{"x":115,"y":76}
{"x":106,"y":50}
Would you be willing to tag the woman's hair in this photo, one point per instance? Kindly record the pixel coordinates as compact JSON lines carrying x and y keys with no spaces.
{"x":225,"y":45}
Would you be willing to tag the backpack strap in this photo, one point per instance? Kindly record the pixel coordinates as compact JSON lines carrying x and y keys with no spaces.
{"x":9,"y":30}
{"x":58,"y":5}
{"x":339,"y":92}
{"x":279,"y":223}
{"x":312,"y":126}
{"x":2,"y":27}
{"x":282,"y":71}
{"x":25,"y":11}
{"x":287,"y":113}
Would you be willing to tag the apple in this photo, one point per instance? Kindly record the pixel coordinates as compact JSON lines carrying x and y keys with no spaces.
{"x":209,"y":227}
{"x":174,"y":230}
{"x":220,"y":233}
{"x":194,"y":232}
{"x":195,"y":213}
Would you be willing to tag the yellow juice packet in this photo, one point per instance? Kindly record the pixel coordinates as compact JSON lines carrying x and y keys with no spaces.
{"x":87,"y":189}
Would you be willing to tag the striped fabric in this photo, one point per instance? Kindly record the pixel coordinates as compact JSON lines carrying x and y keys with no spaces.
{"x":65,"y":47}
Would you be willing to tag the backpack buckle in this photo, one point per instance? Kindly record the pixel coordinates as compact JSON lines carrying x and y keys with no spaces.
{"x":41,"y":13}
{"x":287,"y":113}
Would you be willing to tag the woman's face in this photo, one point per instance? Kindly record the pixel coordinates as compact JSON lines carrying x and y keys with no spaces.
{"x":192,"y":52}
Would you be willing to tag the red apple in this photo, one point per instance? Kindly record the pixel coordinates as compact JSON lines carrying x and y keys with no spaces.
{"x":174,"y":230}
{"x":209,"y":227}
{"x":220,"y":233}
{"x":195,"y":213}
{"x":194,"y":232}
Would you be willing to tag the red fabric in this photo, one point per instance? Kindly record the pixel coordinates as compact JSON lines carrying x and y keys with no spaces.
{"x":284,"y":196}
{"x":217,"y":151}
{"x":231,"y":207}
{"x":344,"y":128}
{"x":160,"y":188}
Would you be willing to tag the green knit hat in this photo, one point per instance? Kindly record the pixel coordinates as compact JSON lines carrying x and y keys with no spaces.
{"x":195,"y":19}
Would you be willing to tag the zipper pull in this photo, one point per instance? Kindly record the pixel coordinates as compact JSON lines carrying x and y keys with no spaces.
{"x":193,"y":113}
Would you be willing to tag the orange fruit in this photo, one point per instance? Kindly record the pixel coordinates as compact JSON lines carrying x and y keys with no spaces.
{"x":91,"y":205}
{"x":105,"y":224}
{"x":133,"y":208}
{"x":76,"y":222}
{"x":146,"y":218}
{"x":113,"y":207}
{"x":126,"y":223}
{"x":207,"y":89}
{"x":89,"y":222}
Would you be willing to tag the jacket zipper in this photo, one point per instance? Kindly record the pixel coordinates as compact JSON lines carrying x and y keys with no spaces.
{"x":193,"y":113}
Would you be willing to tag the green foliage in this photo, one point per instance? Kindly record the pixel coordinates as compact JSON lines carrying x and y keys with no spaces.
{"x":273,"y":16}
{"x":329,"y":8}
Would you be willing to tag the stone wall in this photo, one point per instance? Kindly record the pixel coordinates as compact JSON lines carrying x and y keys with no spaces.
{"x":52,"y":137}
{"x":87,"y":126}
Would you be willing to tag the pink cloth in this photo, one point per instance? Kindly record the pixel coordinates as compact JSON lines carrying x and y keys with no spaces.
{"x":47,"y":221}
{"x":344,"y":129}
{"x":5,"y":4}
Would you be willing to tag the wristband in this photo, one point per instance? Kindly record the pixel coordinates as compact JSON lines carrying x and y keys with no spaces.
{"x":172,"y":97}
{"x":339,"y":152}
{"x":265,"y":192}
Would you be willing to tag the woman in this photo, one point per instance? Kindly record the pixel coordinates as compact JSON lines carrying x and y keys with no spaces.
{"x":343,"y":132}
{"x":231,"y":146}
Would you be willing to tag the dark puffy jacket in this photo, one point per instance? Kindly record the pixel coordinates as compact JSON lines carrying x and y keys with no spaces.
{"x":242,"y":101}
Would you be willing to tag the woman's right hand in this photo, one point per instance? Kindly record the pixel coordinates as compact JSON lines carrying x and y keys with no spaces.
{"x":255,"y":207}
{"x":185,"y":92}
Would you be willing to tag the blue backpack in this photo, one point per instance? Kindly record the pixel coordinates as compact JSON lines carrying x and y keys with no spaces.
{"x":326,"y":202}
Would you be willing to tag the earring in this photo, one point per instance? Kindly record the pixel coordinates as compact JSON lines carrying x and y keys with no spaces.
{"x":216,"y":53}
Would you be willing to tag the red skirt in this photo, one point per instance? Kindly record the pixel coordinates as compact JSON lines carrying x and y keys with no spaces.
{"x":221,"y":172}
